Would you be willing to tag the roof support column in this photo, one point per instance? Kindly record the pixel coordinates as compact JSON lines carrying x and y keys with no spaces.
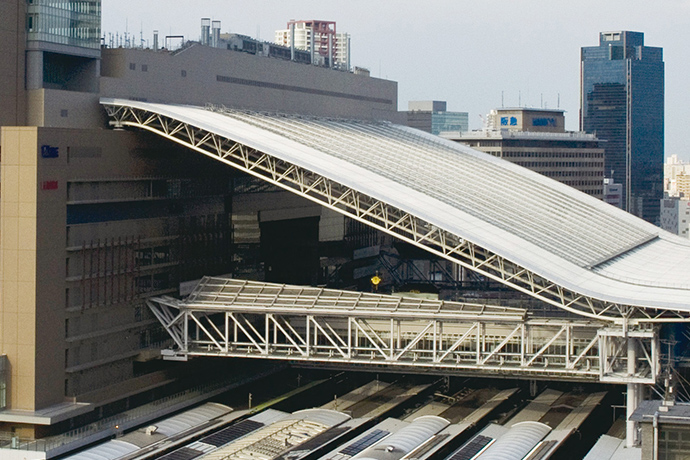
{"x":633,"y":397}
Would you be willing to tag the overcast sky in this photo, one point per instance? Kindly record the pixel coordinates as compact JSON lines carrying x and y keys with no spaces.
{"x":475,"y":54}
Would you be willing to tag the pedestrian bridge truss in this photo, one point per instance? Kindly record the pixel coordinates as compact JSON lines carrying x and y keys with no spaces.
{"x":235,"y":318}
{"x":502,"y":221}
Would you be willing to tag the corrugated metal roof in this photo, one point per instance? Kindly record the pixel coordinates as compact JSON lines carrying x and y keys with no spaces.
{"x":517,"y":442}
{"x":404,"y":441}
{"x":553,"y":230}
{"x":325,"y":417}
{"x":107,"y":451}
{"x":190,"y":418}
{"x":604,"y":449}
{"x":117,"y":448}
{"x":269,"y":442}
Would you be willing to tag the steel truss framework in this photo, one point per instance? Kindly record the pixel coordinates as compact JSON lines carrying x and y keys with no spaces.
{"x":235,"y":318}
{"x":382,"y":216}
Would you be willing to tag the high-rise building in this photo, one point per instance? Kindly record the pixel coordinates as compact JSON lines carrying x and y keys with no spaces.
{"x":622,"y":101}
{"x":432,"y":117}
{"x":319,"y":38}
{"x":536,"y":139}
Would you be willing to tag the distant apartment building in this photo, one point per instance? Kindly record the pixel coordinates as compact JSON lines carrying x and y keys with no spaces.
{"x":676,"y":177}
{"x":320,"y":38}
{"x":432,"y":117}
{"x":537,"y":140}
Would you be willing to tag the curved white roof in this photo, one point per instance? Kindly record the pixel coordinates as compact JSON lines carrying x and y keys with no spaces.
{"x":517,"y":442}
{"x":405,"y":440}
{"x":190,"y":418}
{"x":326,"y":417}
{"x":551,"y":229}
{"x":108,"y":451}
{"x":116,"y":448}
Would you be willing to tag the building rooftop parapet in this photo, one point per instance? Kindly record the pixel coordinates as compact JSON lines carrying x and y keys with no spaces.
{"x":507,"y":133}
{"x":663,"y":411}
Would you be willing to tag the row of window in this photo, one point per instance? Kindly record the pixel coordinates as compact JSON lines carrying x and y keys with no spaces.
{"x":70,"y":23}
{"x":574,"y":155}
{"x":559,"y":164}
{"x":583,"y":183}
{"x":573,"y":174}
{"x":92,"y":7}
{"x":93,"y":191}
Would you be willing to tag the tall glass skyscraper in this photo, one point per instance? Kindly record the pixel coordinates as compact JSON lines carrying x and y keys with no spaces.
{"x":622,"y":101}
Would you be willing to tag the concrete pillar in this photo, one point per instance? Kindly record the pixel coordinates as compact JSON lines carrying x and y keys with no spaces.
{"x":34,"y":69}
{"x":292,"y":41}
{"x":633,"y":396}
{"x":330,"y":51}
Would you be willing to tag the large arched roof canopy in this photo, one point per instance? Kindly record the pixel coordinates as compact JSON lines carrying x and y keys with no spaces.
{"x":506,"y":222}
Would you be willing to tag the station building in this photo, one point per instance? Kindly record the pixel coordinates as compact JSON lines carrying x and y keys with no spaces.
{"x":94,"y":221}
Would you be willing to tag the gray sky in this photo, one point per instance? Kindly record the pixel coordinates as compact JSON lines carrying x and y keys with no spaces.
{"x":465,"y":52}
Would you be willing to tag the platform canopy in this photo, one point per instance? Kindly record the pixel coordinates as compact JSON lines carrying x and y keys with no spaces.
{"x":502,"y":220}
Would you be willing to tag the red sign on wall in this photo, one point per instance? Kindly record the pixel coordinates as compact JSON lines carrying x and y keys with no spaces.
{"x":49,"y":185}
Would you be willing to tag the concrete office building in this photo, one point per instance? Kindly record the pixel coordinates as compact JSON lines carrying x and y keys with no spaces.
{"x":675,"y":215}
{"x":664,"y":429}
{"x":613,"y":193}
{"x":93,"y":221}
{"x":320,"y":38}
{"x":537,"y":140}
{"x":432,"y":117}
{"x":622,"y":102}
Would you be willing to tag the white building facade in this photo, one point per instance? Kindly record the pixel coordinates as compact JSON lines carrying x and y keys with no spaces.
{"x":675,"y":215}
{"x":321,"y":39}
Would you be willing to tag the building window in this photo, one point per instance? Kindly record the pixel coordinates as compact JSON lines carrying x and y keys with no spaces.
{"x":183,"y":73}
{"x":132,"y":66}
{"x":144,"y":68}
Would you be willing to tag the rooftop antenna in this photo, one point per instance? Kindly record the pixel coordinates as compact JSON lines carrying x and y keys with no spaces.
{"x":559,"y":100}
{"x":501,"y":99}
{"x":541,"y":100}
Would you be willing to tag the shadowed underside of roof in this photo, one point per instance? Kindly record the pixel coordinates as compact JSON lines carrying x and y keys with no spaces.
{"x":547,"y":227}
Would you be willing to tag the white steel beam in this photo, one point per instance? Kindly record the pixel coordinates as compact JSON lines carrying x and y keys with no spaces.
{"x":517,"y":347}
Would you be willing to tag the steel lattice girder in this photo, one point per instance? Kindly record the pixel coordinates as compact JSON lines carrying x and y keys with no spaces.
{"x":383,"y":217}
{"x":560,"y":349}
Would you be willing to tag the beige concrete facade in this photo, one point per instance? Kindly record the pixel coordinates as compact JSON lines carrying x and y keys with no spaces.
{"x":31,"y":233}
{"x":526,"y":119}
{"x":94,"y":221}
{"x":242,"y":80}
